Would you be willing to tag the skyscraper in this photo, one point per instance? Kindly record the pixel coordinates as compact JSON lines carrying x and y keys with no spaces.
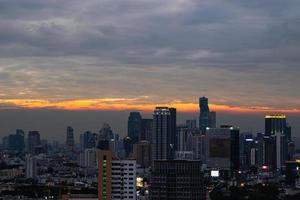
{"x":164,"y":133}
{"x":276,"y":141}
{"x":31,"y":166}
{"x":212,"y":119}
{"x":134,"y":126}
{"x":16,"y":141}
{"x":33,"y":141}
{"x":147,"y":129}
{"x":207,"y":118}
{"x":222,"y":149}
{"x":70,"y":138}
{"x":88,"y":140}
{"x":204,"y":114}
{"x":142,"y":153}
{"x":177,"y":179}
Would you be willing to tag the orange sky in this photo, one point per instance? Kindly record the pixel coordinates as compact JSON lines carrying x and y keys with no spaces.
{"x":126,"y":104}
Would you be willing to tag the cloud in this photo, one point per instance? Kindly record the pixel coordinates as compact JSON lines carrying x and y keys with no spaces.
{"x":236,"y":52}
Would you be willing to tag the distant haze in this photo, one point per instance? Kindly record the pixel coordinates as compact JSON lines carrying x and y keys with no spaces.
{"x":52,"y":124}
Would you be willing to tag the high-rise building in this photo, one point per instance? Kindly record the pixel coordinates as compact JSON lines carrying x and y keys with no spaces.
{"x":134,"y":126}
{"x":70,"y":138}
{"x":276,"y":141}
{"x":88,"y":140}
{"x":104,"y":159}
{"x":31,"y":166}
{"x":164,"y":133}
{"x":147,"y":129}
{"x":177,"y":179}
{"x":89,"y":158}
{"x":123,"y":179}
{"x":204,"y":114}
{"x":212,"y":119}
{"x":116,"y":178}
{"x":33,"y":141}
{"x":222,"y":149}
{"x":142,"y":153}
{"x":15,"y":141}
{"x":274,"y":124}
{"x":207,"y":118}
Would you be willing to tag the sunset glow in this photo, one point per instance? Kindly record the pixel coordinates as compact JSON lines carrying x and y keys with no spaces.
{"x":120,"y":104}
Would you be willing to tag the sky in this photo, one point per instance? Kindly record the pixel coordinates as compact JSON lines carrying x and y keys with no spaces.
{"x":120,"y":55}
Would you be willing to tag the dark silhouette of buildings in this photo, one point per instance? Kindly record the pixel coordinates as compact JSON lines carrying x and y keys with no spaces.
{"x":164,"y":133}
{"x":177,"y":179}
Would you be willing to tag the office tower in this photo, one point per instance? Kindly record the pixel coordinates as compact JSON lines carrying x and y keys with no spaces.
{"x":89,"y":158}
{"x":164,"y":133}
{"x":181,"y":136}
{"x":128,"y":146}
{"x":70,"y":138}
{"x":191,"y":124}
{"x":106,"y":132}
{"x":15,"y":141}
{"x":88,"y":140}
{"x":274,"y":124}
{"x":204,"y":114}
{"x":177,"y":179}
{"x":212,"y":119}
{"x":31,"y":166}
{"x":291,"y":150}
{"x":114,"y":145}
{"x":147,"y":129}
{"x":249,"y":151}
{"x":134,"y":126}
{"x":198,"y":144}
{"x":276,"y":141}
{"x":222,"y":149}
{"x":142,"y":153}
{"x":260,"y":145}
{"x":33,"y":141}
{"x":116,"y":178}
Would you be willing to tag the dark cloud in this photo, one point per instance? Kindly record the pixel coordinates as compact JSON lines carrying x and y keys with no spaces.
{"x":238,"y":52}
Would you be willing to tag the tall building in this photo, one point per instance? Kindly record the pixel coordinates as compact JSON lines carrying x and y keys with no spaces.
{"x":204,"y":114}
{"x":106,"y":132}
{"x":164,"y":133}
{"x":116,"y":178}
{"x":177,"y":179}
{"x":70,"y":138}
{"x":33,"y":141}
{"x":89,"y":158}
{"x":134,"y":126}
{"x":15,"y":141}
{"x":88,"y":140}
{"x":142,"y":153}
{"x":212,"y":119}
{"x":274,"y":124}
{"x":222,"y":149}
{"x":104,"y":159}
{"x":31,"y":166}
{"x":276,"y":141}
{"x":147,"y":129}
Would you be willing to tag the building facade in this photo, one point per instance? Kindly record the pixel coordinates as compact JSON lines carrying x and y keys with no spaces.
{"x":164,"y":133}
{"x":177,"y":179}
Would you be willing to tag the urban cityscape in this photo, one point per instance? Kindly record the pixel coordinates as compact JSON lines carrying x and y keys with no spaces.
{"x":158,"y":159}
{"x":149,"y":100}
